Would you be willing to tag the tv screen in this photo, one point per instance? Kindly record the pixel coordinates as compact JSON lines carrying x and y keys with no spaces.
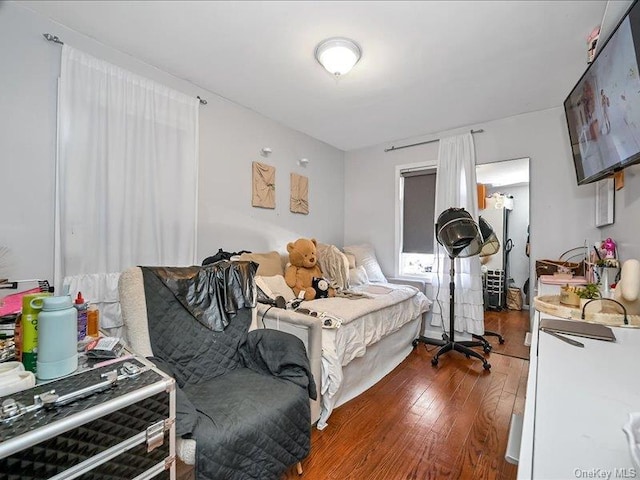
{"x":603,"y":109}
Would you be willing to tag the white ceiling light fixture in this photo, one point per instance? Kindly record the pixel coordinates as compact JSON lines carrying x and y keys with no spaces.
{"x":338,"y":55}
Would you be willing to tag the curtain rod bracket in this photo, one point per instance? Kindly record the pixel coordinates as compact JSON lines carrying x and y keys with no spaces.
{"x":53,"y":38}
{"x":393,"y":147}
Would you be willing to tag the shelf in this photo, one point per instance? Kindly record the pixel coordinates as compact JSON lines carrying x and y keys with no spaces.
{"x":550,"y":304}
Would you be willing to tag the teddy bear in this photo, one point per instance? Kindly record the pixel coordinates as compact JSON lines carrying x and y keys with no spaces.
{"x":303,"y":269}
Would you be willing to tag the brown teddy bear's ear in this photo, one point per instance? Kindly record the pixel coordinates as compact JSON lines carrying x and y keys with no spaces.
{"x":313,"y":240}
{"x":290,"y":247}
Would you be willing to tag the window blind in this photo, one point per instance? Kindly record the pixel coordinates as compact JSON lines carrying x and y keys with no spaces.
{"x":418,"y":211}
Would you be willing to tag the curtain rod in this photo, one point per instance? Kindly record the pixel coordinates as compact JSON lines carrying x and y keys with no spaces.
{"x":423,"y":143}
{"x":56,"y":39}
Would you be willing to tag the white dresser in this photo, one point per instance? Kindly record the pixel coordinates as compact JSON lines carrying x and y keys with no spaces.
{"x":577,"y":401}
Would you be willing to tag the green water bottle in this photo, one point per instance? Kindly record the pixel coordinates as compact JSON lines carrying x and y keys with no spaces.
{"x":29,"y":330}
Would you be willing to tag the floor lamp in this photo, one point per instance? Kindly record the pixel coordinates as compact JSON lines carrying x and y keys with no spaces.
{"x":461,"y":237}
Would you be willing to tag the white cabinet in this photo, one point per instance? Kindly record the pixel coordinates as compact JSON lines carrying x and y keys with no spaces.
{"x":577,"y":401}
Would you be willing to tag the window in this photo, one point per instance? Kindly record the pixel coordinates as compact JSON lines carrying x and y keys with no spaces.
{"x":418,"y":194}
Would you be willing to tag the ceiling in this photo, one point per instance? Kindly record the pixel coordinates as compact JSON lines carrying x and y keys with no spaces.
{"x":502,"y":174}
{"x":426,"y":66}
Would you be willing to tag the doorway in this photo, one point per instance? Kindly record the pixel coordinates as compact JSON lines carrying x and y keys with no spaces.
{"x":503,"y":201}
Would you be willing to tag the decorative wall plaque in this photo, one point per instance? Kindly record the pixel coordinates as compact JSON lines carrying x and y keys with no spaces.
{"x":263,"y":186}
{"x":299,"y":194}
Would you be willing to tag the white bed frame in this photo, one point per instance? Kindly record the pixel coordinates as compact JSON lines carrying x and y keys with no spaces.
{"x":381,"y":358}
{"x":362,"y":372}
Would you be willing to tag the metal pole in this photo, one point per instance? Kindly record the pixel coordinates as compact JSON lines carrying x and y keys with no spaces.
{"x":423,"y":143}
{"x":55,"y":39}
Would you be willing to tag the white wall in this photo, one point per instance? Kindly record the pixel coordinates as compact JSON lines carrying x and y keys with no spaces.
{"x":626,"y":228}
{"x":230,"y":139}
{"x":561,"y":213}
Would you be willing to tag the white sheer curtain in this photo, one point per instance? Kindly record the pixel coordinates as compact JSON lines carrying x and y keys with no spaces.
{"x":456,"y":187}
{"x":127,"y":167}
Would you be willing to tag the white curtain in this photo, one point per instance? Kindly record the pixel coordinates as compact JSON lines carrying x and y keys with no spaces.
{"x":126,"y":189}
{"x":456,"y":187}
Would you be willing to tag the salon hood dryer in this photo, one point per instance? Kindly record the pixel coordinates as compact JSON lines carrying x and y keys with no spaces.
{"x":461,"y":237}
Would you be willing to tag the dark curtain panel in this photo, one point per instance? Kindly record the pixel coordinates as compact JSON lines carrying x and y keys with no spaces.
{"x":418,"y":211}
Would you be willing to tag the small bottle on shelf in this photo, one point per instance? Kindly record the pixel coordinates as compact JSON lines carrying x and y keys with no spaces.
{"x":81,"y":306}
{"x":93,"y":321}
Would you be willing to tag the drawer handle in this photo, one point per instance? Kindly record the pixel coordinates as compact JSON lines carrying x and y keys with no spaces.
{"x":10,"y":409}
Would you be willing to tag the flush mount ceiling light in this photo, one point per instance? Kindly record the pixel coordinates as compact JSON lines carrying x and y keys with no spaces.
{"x":338,"y":55}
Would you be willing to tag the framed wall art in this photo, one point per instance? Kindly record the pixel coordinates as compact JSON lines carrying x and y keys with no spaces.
{"x":604,"y":202}
{"x":299,"y":201}
{"x":263,"y":185}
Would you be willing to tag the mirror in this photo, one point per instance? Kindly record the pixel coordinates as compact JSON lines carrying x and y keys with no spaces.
{"x":503,"y":201}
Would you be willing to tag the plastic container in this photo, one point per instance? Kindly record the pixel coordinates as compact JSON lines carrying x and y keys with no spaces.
{"x":81,"y":307}
{"x":57,"y":337}
{"x":27,"y":330}
{"x":93,"y":321}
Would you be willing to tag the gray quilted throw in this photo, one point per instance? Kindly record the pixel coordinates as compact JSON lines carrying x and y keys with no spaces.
{"x":243,"y":396}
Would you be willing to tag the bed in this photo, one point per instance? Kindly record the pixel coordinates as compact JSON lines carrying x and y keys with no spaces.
{"x":374,"y":337}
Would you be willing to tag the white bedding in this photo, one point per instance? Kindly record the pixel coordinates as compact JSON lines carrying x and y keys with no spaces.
{"x":365,"y":322}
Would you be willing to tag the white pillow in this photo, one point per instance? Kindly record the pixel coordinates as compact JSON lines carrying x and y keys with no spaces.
{"x":351,"y":259}
{"x":358,"y":276}
{"x":274,"y":286}
{"x":366,"y":256}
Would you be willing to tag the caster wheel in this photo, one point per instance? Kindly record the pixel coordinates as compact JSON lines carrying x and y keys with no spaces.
{"x":434,"y":362}
{"x":486,"y":366}
{"x":414,"y":343}
{"x":487,"y":349}
{"x":501,"y":341}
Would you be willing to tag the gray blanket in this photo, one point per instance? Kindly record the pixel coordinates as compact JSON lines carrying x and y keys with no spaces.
{"x":245,"y":395}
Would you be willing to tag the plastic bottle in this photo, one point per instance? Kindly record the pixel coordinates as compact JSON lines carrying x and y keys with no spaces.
{"x":93,"y":321}
{"x":81,"y":306}
{"x":57,"y":332}
{"x":27,"y":343}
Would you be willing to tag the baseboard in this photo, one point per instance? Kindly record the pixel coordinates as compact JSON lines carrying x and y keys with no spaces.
{"x":512,"y":454}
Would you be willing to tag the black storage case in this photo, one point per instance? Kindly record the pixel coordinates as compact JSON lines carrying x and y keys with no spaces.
{"x":125,"y":431}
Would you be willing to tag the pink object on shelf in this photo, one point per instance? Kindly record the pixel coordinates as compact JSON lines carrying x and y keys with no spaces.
{"x":554,"y":280}
{"x":112,"y":361}
{"x":13,"y":303}
{"x":610,"y":248}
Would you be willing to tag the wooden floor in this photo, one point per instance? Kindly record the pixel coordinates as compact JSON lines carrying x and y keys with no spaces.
{"x":423,"y":422}
{"x":513,"y":325}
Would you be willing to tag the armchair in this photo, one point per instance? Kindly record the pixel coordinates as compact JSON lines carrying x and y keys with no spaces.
{"x":243,"y":396}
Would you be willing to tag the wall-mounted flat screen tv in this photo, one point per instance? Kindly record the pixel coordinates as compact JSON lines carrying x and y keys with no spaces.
{"x":603,"y":109}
